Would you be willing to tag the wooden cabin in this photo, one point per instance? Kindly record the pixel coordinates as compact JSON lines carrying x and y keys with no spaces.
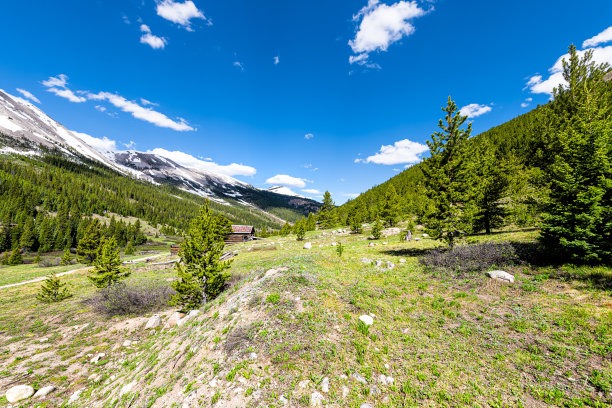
{"x":241,"y":233}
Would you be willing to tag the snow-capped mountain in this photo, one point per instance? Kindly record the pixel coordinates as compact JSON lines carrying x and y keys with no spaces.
{"x":284,"y":191}
{"x":27,"y":130}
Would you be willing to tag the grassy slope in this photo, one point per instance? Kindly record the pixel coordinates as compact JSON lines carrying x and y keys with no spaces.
{"x":544,"y":341}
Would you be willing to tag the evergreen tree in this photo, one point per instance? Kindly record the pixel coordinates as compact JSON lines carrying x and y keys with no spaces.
{"x":446,"y":178}
{"x":339,"y":249}
{"x":578,"y":216}
{"x":53,"y":290}
{"x":200,"y":270}
{"x":311,"y":222}
{"x":28,"y":238}
{"x":300,"y":229}
{"x":15,"y":258}
{"x":286,"y":230}
{"x":390,"y":207}
{"x":87,"y":248}
{"x":326,"y":216}
{"x":37,"y":259}
{"x":129,"y":249}
{"x":66,"y":258}
{"x":107,"y":265}
{"x":45,"y":236}
{"x":377,"y":229}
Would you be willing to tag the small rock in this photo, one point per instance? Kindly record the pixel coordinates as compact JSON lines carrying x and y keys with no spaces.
{"x":501,"y":276}
{"x":386,"y":366}
{"x":97,"y":358}
{"x":176,"y":316}
{"x":127,"y":343}
{"x":390,"y":265}
{"x":253,"y":356}
{"x":366,"y":261}
{"x":367,"y":320}
{"x":325,"y":385}
{"x":425,"y":235}
{"x":303,"y":384}
{"x":343,"y":377}
{"x":417,"y":239}
{"x":44,"y":391}
{"x":345,"y":391}
{"x":126,"y":389}
{"x":43,"y":340}
{"x":316,"y":399}
{"x":378,"y":263}
{"x":191,"y":315}
{"x":18,"y":393}
{"x":334,"y":244}
{"x":365,"y":405}
{"x":75,"y":396}
{"x":283,"y":400}
{"x":374,"y":391}
{"x":402,"y":260}
{"x":308,"y":245}
{"x":213,"y":383}
{"x":270,"y":272}
{"x":359,"y":378}
{"x":371,"y":244}
{"x":154,"y":321}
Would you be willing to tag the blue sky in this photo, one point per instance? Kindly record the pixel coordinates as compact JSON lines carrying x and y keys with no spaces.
{"x":337,"y":95}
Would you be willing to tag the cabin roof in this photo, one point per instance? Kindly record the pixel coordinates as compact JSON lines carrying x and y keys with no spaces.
{"x":243,"y":229}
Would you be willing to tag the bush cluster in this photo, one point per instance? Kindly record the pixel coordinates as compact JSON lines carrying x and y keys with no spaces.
{"x":121,"y":299}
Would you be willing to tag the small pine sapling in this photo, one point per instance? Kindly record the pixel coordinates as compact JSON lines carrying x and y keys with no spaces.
{"x":53,"y":290}
{"x":377,"y":229}
{"x":15,"y":258}
{"x":107,"y":266}
{"x":129,"y":249}
{"x":340,"y":249}
{"x":66,"y":258}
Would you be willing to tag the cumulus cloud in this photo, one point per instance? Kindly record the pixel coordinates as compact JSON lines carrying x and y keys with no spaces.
{"x":59,"y":86}
{"x":402,"y":151}
{"x":473,"y":110}
{"x":28,"y":95}
{"x":180,"y":13}
{"x":601,"y":38}
{"x":350,"y":195}
{"x":102,"y":145}
{"x":130,"y":145}
{"x":239,"y":65}
{"x":140,"y":112}
{"x":152,"y":40}
{"x":285,"y":180}
{"x":308,"y":136}
{"x":526,"y":103}
{"x":381,"y":25}
{"x":312,"y":191}
{"x":187,"y":160}
{"x":276,"y":60}
{"x":538,"y":85}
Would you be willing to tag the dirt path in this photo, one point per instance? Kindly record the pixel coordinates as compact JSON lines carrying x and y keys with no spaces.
{"x":42,"y":278}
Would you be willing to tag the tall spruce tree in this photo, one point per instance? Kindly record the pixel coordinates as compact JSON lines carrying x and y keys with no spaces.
{"x":107,"y":265}
{"x":578,"y":217}
{"x":446,"y":178}
{"x":202,"y":275}
{"x":326,"y":215}
{"x":87,"y":248}
{"x":389,"y":211}
{"x":300,"y":229}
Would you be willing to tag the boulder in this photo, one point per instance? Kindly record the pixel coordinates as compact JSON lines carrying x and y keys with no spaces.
{"x":501,"y":276}
{"x":75,"y":396}
{"x":325,"y":385}
{"x":308,"y":245}
{"x":176,"y":316}
{"x":191,"y":315}
{"x":18,"y":393}
{"x":44,"y":391}
{"x":154,"y":321}
{"x":367,"y":320}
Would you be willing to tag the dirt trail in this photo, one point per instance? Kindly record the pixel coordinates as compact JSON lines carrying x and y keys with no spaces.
{"x":42,"y":278}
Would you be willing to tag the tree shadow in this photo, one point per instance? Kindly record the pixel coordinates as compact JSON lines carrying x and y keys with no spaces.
{"x":416,"y":252}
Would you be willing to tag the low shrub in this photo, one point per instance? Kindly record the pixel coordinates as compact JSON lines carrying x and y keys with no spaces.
{"x":49,"y":262}
{"x":471,"y":258}
{"x":122,"y":299}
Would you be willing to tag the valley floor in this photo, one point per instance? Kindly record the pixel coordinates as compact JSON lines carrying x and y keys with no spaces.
{"x":287,"y":333}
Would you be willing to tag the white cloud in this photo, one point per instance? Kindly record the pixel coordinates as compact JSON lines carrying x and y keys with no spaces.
{"x":601,"y":38}
{"x":276,"y":60}
{"x":28,"y":95}
{"x":308,"y":136}
{"x":526,"y":103}
{"x":102,"y":145}
{"x":312,"y":191}
{"x":140,"y":112}
{"x":239,"y":65}
{"x":350,"y":195}
{"x":380,"y":26}
{"x":130,"y":145}
{"x":538,"y":85}
{"x":100,"y":108}
{"x":59,"y":86}
{"x":190,"y":161}
{"x":180,"y":13}
{"x":146,"y":102}
{"x":285,"y":180}
{"x":473,"y":110}
{"x":403,"y":151}
{"x":125,"y":19}
{"x":148,"y":38}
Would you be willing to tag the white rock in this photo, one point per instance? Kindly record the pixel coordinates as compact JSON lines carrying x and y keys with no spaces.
{"x":366,"y":405}
{"x":75,"y":396}
{"x":366,"y":261}
{"x":18,"y":393}
{"x":127,"y":343}
{"x":97,"y":358}
{"x":316,"y":399}
{"x":43,"y":340}
{"x":334,"y":244}
{"x":283,"y":400}
{"x":44,"y":391}
{"x":253,"y":356}
{"x":213,"y":383}
{"x":176,"y":316}
{"x":325,"y":385}
{"x":345,"y":391}
{"x":154,"y":321}
{"x":191,"y":315}
{"x":378,"y":263}
{"x":270,"y":272}
{"x":417,"y":239}
{"x":501,"y":276}
{"x":425,"y":235}
{"x":126,"y":389}
{"x":387,"y":366}
{"x":402,"y":260}
{"x":308,"y":245}
{"x":390,"y":265}
{"x":359,"y":378}
{"x":303,"y":383}
{"x":367,"y":320}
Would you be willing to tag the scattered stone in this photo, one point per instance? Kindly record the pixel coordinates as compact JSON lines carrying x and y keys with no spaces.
{"x":303,"y":384}
{"x":43,"y":340}
{"x":378,"y":263}
{"x":366,"y":405}
{"x":359,"y":378}
{"x":343,"y":377}
{"x":75,"y":396}
{"x":366,"y":261}
{"x":390,"y":265}
{"x":371,"y":244}
{"x":425,"y":235}
{"x":191,"y":315}
{"x":95,"y":377}
{"x":97,"y":358}
{"x":367,"y":320}
{"x":501,"y":276}
{"x":334,"y":244}
{"x":308,"y":245}
{"x":44,"y":391}
{"x":325,"y":385}
{"x":176,"y":316}
{"x":316,"y":399}
{"x":253,"y":356}
{"x":127,"y":343}
{"x":283,"y":400}
{"x":345,"y":391}
{"x":385,"y":380}
{"x":154,"y":321}
{"x":270,"y":272}
{"x":402,"y":260}
{"x":18,"y":393}
{"x":126,"y":389}
{"x":386,"y":366}
{"x":417,"y":239}
{"x":213,"y":383}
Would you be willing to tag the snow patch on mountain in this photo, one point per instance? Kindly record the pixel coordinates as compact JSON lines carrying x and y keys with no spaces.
{"x":284,"y":191}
